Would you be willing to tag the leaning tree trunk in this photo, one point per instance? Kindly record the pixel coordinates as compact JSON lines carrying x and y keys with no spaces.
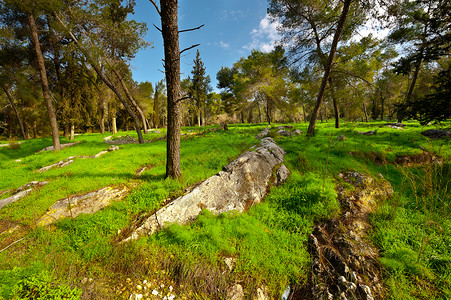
{"x":170,"y":31}
{"x":415,"y":74}
{"x":11,"y":101}
{"x":94,"y":64}
{"x":44,"y":83}
{"x":333,"y":49}
{"x":132,"y":100}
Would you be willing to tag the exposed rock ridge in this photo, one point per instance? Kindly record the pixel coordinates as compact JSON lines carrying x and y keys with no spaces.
{"x":22,"y":192}
{"x":88,"y":203}
{"x":345,"y":264}
{"x":241,"y":184}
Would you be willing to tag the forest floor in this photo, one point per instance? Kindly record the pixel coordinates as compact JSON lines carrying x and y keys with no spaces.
{"x":264,"y":250}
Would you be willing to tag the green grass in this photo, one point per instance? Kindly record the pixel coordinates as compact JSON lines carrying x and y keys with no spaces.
{"x":268,"y":243}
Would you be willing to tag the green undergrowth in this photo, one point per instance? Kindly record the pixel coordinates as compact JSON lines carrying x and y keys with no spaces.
{"x":268,"y":244}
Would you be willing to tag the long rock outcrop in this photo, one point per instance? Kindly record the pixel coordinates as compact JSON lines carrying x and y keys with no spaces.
{"x":241,"y":184}
{"x":345,"y":262}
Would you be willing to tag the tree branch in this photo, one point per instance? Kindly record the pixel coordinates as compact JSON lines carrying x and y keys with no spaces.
{"x":156,"y":7}
{"x":183,"y":98}
{"x":157,"y":28}
{"x":192,"y":29}
{"x":193,"y":46}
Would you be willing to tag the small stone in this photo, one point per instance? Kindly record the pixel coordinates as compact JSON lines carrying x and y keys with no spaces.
{"x":343,"y":296}
{"x":162,"y":285}
{"x":230,"y":262}
{"x":84,"y":280}
{"x":169,"y":297}
{"x":144,"y":281}
{"x":18,"y":160}
{"x":155,"y":292}
{"x":284,"y":133}
{"x":235,"y":292}
{"x":354,"y":276}
{"x":139,"y":287}
{"x":171,"y":288}
{"x":341,"y":137}
{"x":286,"y":293}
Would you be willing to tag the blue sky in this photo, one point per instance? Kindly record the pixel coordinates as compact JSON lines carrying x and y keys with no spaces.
{"x":232,"y":29}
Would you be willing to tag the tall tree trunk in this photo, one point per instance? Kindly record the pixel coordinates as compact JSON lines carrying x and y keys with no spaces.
{"x":94,"y":64}
{"x":72,"y":131}
{"x":416,"y":71}
{"x":44,"y":83}
{"x":335,"y":104}
{"x":66,"y":130}
{"x":170,"y":31}
{"x":132,"y":100}
{"x":325,"y":112}
{"x":156,"y":107}
{"x":198,"y":118}
{"x":35,"y":129}
{"x":19,"y":119}
{"x":268,"y":113}
{"x":365,"y":112}
{"x":114,"y":125}
{"x":102,"y":118}
{"x":382,"y":106}
{"x":333,"y":49}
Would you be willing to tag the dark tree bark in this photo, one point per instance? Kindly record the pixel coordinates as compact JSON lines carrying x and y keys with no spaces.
{"x":44,"y":83}
{"x":11,"y":101}
{"x":335,"y":104}
{"x":170,"y":31}
{"x":333,"y":49}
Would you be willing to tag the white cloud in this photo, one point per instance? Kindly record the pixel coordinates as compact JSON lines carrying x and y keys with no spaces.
{"x":232,"y":14}
{"x":224,"y":45}
{"x":265,"y":36}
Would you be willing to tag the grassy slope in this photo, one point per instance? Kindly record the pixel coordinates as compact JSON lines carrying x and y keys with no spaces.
{"x":268,"y":243}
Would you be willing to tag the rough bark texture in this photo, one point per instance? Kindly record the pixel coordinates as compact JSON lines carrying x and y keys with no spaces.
{"x":44,"y":83}
{"x":242,"y":183}
{"x":333,"y":49}
{"x":170,"y":31}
